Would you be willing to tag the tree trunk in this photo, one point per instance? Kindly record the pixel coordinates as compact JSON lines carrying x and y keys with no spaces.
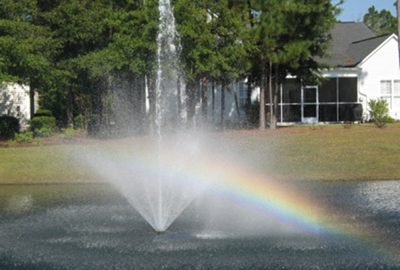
{"x":137,"y":103}
{"x":204,"y":100}
{"x":152,"y":105}
{"x":32,"y":102}
{"x":70,"y":107}
{"x":248,"y":95}
{"x":262,"y":96}
{"x":213,"y":101}
{"x":191,"y":104}
{"x":276,"y":96}
{"x":272,"y":124}
{"x":235,"y":95}
{"x":223,"y":106}
{"x":179,"y":96}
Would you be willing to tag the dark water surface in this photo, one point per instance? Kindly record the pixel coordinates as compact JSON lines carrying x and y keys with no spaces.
{"x":92,"y":227}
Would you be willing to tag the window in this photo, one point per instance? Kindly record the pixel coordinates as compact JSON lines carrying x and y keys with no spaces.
{"x":396,"y":94}
{"x":390,"y":91}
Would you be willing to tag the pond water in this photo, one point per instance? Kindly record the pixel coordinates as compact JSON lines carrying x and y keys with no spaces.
{"x":93,"y":227}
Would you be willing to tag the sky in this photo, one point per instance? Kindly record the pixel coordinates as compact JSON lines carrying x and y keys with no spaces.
{"x":354,"y":10}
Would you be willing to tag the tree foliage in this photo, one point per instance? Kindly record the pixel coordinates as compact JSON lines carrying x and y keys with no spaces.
{"x":381,"y":22}
{"x":379,"y":112}
{"x":290,"y":35}
{"x":77,"y":53}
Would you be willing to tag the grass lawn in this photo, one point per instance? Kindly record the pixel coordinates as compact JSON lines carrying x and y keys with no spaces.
{"x":359,"y":153}
{"x":362,"y":152}
{"x":41,"y":164}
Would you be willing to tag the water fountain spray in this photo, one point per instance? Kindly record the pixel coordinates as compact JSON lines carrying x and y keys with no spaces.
{"x":170,"y":98}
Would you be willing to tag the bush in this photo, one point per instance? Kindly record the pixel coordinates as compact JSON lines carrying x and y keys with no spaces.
{"x":9,"y":126}
{"x":43,"y":112}
{"x":94,"y":125}
{"x":42,"y":126}
{"x":379,"y":112}
{"x":68,"y":133}
{"x":26,"y":137}
{"x":80,"y":122}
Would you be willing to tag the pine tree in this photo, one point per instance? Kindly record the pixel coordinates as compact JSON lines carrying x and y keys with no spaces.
{"x":26,"y":47}
{"x":290,"y":35}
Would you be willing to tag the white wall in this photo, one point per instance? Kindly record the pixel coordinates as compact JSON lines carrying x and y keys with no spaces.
{"x":383,"y":64}
{"x":14,"y":101}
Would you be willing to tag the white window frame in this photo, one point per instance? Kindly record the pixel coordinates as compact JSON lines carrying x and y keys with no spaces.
{"x":392,"y":93}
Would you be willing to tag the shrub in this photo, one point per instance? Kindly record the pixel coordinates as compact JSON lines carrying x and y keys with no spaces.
{"x":9,"y":126}
{"x":43,"y":112}
{"x":94,"y":125}
{"x":42,"y":126}
{"x":10,"y":143}
{"x":68,"y":133}
{"x":26,"y":137}
{"x":379,"y":112}
{"x":80,"y":122}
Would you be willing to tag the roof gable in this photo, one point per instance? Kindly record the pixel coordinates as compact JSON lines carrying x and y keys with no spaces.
{"x":383,"y":41}
{"x":351,"y":43}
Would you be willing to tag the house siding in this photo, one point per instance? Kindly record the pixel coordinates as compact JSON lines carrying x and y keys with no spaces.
{"x":382,"y":64}
{"x":14,"y":101}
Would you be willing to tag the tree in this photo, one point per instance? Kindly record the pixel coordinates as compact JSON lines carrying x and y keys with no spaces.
{"x":382,"y":22}
{"x":118,"y":49}
{"x":69,"y":22}
{"x":290,"y":35}
{"x":197,"y":56}
{"x":27,"y":48}
{"x":213,"y":45}
{"x":127,"y":57}
{"x":229,"y":30}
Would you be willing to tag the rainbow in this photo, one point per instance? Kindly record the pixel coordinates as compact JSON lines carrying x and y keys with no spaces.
{"x":252,"y":189}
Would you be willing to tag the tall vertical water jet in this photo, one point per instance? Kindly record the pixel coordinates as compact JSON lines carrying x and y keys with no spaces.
{"x":155,"y":175}
{"x":170,"y":98}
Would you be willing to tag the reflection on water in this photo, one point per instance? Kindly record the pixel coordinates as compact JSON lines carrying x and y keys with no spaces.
{"x":18,"y":199}
{"x":92,"y":227}
{"x":380,"y":197}
{"x":19,"y":204}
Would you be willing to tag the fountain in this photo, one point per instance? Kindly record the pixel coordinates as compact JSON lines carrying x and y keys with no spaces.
{"x":169,"y":116}
{"x":101,"y":231}
{"x":160,"y":194}
{"x":221,"y":212}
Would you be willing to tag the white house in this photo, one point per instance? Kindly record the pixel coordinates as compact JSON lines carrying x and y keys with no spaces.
{"x":363,"y":66}
{"x":14,"y":101}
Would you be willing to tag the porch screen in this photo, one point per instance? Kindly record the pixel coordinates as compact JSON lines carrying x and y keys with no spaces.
{"x":292,"y":93}
{"x":347,"y":89}
{"x":290,"y":108}
{"x":327,"y":90}
{"x":335,"y":100}
{"x":328,"y":113}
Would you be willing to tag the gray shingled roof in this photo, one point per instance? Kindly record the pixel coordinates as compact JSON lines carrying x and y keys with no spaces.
{"x":351,"y":43}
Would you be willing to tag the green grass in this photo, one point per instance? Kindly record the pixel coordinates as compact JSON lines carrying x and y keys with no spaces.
{"x":42,"y":164}
{"x":362,"y":152}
